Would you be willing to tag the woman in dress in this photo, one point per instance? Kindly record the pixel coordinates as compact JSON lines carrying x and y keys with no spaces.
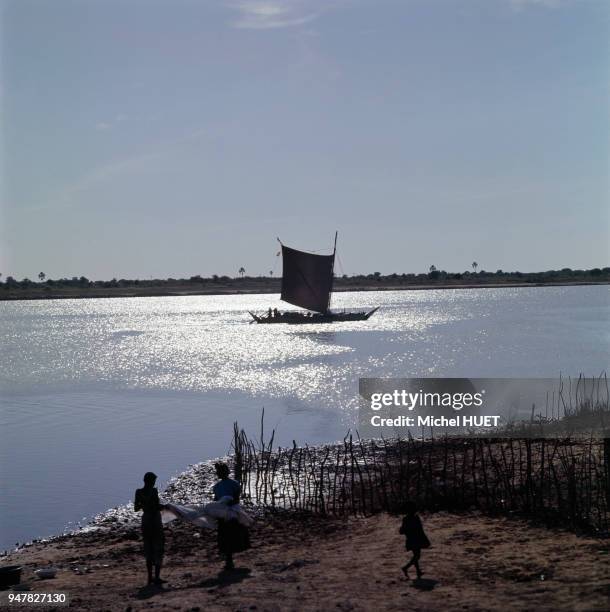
{"x":232,"y":536}
{"x":147,"y":500}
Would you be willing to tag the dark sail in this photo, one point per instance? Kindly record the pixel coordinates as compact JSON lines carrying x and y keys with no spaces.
{"x":307,"y":279}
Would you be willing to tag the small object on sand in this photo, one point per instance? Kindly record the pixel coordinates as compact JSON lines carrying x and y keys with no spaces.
{"x":9,"y":575}
{"x":45,"y":573}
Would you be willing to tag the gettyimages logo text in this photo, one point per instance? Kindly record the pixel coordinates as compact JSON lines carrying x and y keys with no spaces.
{"x":421,"y":399}
{"x":498,"y":407}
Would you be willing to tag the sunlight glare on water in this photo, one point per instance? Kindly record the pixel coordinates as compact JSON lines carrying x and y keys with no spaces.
{"x":201,"y":343}
{"x":204,"y":343}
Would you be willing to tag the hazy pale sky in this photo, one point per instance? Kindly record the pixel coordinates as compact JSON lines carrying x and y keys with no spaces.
{"x":177,"y":137}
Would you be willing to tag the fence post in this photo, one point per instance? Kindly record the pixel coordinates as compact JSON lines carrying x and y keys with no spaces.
{"x":607,"y":466}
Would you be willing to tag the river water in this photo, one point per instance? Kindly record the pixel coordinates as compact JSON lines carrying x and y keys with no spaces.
{"x":93,"y":393}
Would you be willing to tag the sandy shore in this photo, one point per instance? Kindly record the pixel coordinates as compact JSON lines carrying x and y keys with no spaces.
{"x":304,"y":562}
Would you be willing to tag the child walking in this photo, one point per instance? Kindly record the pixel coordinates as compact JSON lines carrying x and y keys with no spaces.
{"x":416,"y":539}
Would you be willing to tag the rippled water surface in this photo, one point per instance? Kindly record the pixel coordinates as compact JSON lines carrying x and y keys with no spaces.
{"x":95,"y":392}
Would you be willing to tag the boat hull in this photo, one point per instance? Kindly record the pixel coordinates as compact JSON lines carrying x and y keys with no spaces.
{"x":304,"y":318}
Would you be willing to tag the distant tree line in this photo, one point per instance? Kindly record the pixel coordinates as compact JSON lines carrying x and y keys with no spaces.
{"x":433,"y":274}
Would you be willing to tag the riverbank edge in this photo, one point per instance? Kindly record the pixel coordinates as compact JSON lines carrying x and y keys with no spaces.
{"x":188,"y":291}
{"x":193,"y":485}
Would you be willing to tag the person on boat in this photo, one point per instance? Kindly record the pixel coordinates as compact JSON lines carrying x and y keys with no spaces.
{"x":147,"y":500}
{"x":275,"y":312}
{"x":233,"y":537}
{"x":270,"y":313}
{"x":416,"y":539}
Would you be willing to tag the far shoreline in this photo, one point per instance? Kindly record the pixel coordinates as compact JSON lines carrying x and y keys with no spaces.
{"x":246,"y":287}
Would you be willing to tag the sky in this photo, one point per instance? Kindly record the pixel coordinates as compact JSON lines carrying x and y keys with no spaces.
{"x":168,"y":138}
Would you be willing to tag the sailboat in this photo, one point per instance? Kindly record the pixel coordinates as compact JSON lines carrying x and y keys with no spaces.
{"x":307,"y":282}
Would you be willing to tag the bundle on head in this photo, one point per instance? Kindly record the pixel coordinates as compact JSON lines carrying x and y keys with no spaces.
{"x":222,"y":469}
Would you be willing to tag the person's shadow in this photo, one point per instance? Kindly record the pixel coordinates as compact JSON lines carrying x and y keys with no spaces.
{"x":150,"y":590}
{"x":424,"y":584}
{"x":225,"y":578}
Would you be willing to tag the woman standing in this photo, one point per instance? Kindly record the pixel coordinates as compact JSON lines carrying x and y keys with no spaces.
{"x":147,"y":500}
{"x":232,"y":536}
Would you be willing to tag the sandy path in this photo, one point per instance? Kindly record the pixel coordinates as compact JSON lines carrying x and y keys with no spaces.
{"x":309,"y":563}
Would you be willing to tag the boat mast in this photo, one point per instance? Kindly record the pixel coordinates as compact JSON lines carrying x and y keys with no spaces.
{"x":332,"y":274}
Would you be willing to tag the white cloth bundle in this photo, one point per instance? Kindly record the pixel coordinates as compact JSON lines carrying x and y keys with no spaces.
{"x":206,"y":516}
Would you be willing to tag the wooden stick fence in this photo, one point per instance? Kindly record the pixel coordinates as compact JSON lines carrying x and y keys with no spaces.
{"x":562,"y":481}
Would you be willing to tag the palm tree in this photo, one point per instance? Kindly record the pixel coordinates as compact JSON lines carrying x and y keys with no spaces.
{"x":432,"y":268}
{"x":475,"y":265}
{"x":270,"y":272}
{"x":242,"y":271}
{"x":42,"y":276}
